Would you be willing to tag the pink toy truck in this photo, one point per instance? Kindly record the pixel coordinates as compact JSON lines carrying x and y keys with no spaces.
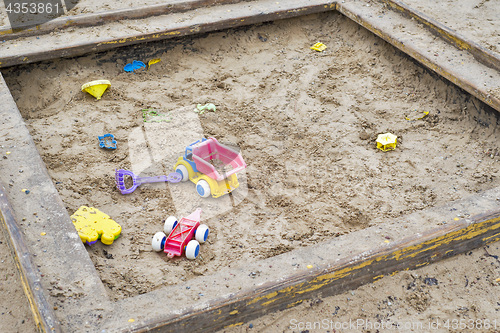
{"x":180,"y":236}
{"x":212,"y":166}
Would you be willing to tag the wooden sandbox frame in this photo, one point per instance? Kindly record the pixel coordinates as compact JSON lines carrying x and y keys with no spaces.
{"x":338,"y":265}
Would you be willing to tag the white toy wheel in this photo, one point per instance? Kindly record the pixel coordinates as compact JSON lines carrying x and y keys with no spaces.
{"x":170,"y":224}
{"x":203,"y":188}
{"x":158,"y":242}
{"x":201,"y":233}
{"x":183,"y":171}
{"x":192,"y":249}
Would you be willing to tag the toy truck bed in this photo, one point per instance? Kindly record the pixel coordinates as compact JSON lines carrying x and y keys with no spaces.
{"x":211,"y":150}
{"x":182,"y":234}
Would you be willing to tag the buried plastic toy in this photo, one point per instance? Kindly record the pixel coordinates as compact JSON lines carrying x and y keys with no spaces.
{"x":107,"y":141}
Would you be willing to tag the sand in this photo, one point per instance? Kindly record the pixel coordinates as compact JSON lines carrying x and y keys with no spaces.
{"x":306,"y":125}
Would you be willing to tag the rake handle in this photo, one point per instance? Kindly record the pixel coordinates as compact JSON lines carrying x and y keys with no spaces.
{"x":120,"y":182}
{"x":156,"y":179}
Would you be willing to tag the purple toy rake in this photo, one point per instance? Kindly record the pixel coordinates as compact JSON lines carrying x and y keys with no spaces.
{"x":120,"y":174}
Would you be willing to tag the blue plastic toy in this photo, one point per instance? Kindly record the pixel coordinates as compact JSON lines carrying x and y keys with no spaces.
{"x":133,"y":66}
{"x":107,"y":141}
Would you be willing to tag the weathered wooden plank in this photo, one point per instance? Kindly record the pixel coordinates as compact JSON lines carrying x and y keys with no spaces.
{"x":30,"y":49}
{"x":479,"y":80}
{"x":58,"y":260}
{"x":482,"y":54}
{"x":41,"y":309}
{"x":100,"y":18}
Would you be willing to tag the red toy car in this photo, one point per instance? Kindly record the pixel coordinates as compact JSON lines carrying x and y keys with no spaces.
{"x":180,"y":236}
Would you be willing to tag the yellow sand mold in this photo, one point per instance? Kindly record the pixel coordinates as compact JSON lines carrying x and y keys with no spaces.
{"x":96,"y":88}
{"x":387,"y":141}
{"x":93,"y":224}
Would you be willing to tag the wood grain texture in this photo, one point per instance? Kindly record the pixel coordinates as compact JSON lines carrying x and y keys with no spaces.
{"x":482,"y":54}
{"x":424,"y":50}
{"x":100,"y":18}
{"x":41,"y":309}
